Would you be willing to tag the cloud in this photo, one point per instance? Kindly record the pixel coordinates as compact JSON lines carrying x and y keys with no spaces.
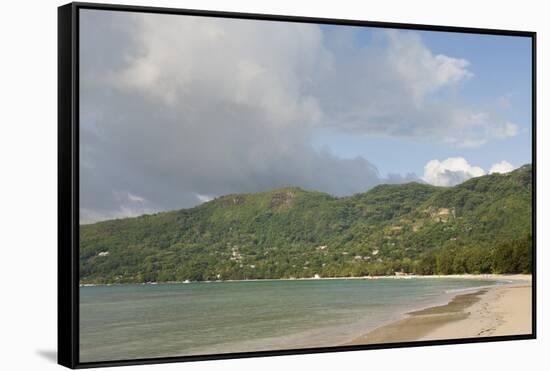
{"x":176,"y":109}
{"x":396,"y":86}
{"x":502,"y":167}
{"x":456,"y":170}
{"x":123,"y":204}
{"x":88,"y":216}
{"x":225,"y":111}
{"x":204,"y":198}
{"x":508,"y":129}
{"x":449,"y":172}
{"x":134,"y":198}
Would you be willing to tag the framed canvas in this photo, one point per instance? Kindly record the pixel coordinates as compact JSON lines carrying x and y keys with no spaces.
{"x":240,"y":185}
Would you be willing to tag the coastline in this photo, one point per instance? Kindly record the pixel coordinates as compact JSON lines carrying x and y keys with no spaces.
{"x":490,"y":276}
{"x":493,"y":311}
{"x":427,"y":301}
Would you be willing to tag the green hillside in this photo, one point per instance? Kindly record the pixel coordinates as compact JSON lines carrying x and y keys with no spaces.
{"x":480,"y":226}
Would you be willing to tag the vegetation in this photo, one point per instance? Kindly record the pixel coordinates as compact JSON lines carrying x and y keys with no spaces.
{"x":480,"y":226}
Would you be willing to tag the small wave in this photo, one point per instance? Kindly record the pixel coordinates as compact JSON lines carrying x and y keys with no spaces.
{"x":466,"y":289}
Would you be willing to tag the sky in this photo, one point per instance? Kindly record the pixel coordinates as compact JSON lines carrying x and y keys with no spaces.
{"x":176,"y":110}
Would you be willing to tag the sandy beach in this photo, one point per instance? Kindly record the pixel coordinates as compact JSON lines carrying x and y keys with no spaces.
{"x":494,"y":311}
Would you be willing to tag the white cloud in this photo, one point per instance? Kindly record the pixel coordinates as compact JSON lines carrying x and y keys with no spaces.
{"x":502,"y":167}
{"x":204,"y":198}
{"x":456,"y":170}
{"x":508,"y":129}
{"x":449,"y":172}
{"x":135,"y":198}
{"x":419,"y":68}
{"x":257,"y":64}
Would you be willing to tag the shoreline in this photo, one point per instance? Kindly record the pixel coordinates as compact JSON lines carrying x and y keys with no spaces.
{"x":489,"y":276}
{"x":490,"y":311}
{"x":451,"y":314}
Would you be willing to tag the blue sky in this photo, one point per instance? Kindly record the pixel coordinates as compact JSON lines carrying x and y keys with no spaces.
{"x":501,"y":83}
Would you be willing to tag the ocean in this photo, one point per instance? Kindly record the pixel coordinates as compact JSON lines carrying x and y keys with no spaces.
{"x":146,"y":321}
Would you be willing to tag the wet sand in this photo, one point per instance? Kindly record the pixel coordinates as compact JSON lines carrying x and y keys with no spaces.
{"x":496,"y":311}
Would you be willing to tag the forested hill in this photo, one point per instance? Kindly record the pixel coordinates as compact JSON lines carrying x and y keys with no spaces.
{"x":480,"y":226}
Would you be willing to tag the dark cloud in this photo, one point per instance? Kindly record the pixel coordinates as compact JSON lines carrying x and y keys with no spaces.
{"x":176,"y":110}
{"x":150,"y":143}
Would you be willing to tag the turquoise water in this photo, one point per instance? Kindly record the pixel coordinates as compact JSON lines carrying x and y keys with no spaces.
{"x":143,"y":321}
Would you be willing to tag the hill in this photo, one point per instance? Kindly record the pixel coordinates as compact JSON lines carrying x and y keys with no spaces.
{"x":480,"y":226}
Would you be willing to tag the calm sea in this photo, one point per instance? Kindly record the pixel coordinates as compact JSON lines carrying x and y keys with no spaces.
{"x":144,"y":321}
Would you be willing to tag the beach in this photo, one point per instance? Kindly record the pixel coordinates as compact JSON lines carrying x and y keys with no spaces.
{"x":493,"y":311}
{"x":168,"y":319}
{"x":128,"y":321}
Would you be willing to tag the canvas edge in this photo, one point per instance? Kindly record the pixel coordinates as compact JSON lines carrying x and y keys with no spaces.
{"x":67,"y":218}
{"x":534,"y":182}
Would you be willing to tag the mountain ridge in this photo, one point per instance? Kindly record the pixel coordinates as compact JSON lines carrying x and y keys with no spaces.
{"x":292,"y":232}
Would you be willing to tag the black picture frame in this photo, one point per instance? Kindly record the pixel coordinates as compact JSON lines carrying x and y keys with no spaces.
{"x":68,"y":181}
